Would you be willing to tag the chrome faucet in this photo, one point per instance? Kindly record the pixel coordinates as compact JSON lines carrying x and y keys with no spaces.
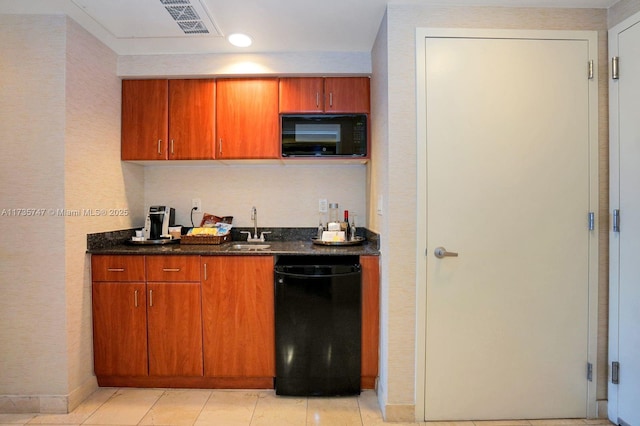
{"x":254,"y":218}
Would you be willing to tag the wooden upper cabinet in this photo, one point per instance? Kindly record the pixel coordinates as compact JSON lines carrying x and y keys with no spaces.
{"x":145,"y":120}
{"x":346,"y":94}
{"x":238,"y":316}
{"x":324,"y":95}
{"x":301,"y":95}
{"x":168,"y":119}
{"x":247,"y":118}
{"x":192,"y":119}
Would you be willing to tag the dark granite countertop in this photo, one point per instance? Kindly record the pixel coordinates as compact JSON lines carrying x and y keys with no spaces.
{"x":282,"y":241}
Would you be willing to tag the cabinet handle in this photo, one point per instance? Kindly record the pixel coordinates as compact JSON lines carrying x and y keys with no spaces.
{"x":135,"y":298}
{"x":171,"y":269}
{"x":220,"y":146}
{"x":317,"y":99}
{"x":115,"y":269}
{"x":330,"y":99}
{"x":150,"y":298}
{"x":205,"y":271}
{"x":171,"y":146}
{"x":159,"y":146}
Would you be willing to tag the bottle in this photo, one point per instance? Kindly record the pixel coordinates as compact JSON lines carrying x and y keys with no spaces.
{"x":344,"y":226}
{"x":320,"y":227}
{"x":333,"y":213}
{"x":352,"y":230}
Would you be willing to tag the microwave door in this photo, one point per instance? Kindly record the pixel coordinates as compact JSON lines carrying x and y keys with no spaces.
{"x":323,"y":135}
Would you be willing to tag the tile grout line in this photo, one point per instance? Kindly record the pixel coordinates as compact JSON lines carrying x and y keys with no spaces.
{"x":360,"y":411}
{"x":203,"y":407}
{"x":255,"y":406}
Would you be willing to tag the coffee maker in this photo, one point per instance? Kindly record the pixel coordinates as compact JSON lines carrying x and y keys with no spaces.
{"x":158,"y":221}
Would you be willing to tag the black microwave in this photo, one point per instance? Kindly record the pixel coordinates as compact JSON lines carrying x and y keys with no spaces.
{"x":340,"y":135}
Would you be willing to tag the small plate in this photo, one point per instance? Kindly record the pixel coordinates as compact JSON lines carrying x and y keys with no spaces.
{"x":356,"y":241}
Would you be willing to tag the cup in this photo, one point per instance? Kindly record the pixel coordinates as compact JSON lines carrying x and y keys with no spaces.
{"x":175,"y":232}
{"x":139,"y":233}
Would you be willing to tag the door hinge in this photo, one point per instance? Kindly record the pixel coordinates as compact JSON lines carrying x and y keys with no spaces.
{"x":591,"y":69}
{"x":615,"y":372}
{"x":616,"y":220}
{"x":615,"y":70}
{"x":590,"y":372}
{"x":592,"y":221}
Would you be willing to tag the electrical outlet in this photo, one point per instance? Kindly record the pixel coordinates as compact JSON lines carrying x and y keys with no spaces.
{"x":196,"y":203}
{"x":322,"y":205}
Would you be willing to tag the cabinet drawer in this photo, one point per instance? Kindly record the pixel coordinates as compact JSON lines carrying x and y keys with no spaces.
{"x":117,"y":268}
{"x":173,"y":268}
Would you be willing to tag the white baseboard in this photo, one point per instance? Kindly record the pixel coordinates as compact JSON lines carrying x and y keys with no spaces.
{"x":51,"y":404}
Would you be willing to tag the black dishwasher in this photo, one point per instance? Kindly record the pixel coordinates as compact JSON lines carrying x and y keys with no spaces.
{"x":318,"y":325}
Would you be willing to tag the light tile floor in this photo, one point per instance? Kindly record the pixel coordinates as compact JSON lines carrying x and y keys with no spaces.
{"x":193,"y":407}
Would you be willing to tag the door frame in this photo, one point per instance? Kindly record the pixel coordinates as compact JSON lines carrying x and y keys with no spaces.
{"x":614,"y":203}
{"x":421,"y":226}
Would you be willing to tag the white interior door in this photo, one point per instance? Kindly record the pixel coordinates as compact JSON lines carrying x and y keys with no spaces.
{"x":624,"y":397}
{"x":509,"y":188}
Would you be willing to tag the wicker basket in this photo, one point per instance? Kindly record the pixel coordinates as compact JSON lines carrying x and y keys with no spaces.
{"x":205,"y":239}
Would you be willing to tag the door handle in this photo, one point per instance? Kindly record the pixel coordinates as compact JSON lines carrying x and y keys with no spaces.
{"x":441,"y":252}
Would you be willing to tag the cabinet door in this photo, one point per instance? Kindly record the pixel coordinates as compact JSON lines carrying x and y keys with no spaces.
{"x":145,"y":124}
{"x":346,"y":94}
{"x":175,"y":329}
{"x":119,"y":329}
{"x":247,"y":118}
{"x":238,"y":314}
{"x":370,"y":320}
{"x":302,"y":95}
{"x":192,"y":119}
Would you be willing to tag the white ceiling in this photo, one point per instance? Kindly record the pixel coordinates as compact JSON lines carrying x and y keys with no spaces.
{"x":138,"y":27}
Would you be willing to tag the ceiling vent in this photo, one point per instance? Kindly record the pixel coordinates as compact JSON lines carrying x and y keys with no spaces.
{"x":186,"y":16}
{"x":135,"y":19}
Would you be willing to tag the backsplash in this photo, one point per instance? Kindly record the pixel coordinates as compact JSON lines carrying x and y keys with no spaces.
{"x":284,"y":195}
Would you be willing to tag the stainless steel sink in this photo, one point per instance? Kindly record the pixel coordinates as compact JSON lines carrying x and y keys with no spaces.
{"x":249,"y":247}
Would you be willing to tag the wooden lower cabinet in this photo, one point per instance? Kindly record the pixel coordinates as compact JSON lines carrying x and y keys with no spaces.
{"x":213,"y":329}
{"x":174,"y":329}
{"x":238,"y":320}
{"x":119,"y":329}
{"x":370,"y":320}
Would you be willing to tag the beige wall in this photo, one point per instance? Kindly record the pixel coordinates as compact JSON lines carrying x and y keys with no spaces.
{"x":285,"y":196}
{"x":59,"y":118}
{"x":397,"y":182}
{"x":32,"y":301}
{"x":95,"y":178}
{"x":621,"y":11}
{"x":281,"y":64}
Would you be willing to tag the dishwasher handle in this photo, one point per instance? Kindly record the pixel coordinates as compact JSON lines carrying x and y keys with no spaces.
{"x":308,"y":276}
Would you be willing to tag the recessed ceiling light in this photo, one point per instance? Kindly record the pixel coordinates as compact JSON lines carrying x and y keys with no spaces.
{"x":240,"y":40}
